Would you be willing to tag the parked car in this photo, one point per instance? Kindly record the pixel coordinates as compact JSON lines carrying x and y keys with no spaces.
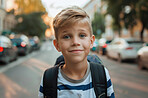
{"x":35,"y":43}
{"x":22,"y":43}
{"x":7,"y":51}
{"x":122,"y":49}
{"x":143,"y":57}
{"x":102,"y":45}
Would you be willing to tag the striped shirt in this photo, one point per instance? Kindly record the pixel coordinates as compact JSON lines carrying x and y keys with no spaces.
{"x":83,"y":88}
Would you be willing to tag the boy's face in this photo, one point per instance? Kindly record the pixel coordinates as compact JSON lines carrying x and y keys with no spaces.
{"x":74,"y":42}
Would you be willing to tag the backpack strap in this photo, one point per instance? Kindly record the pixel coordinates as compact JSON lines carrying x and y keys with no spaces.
{"x":50,"y":82}
{"x":99,"y":80}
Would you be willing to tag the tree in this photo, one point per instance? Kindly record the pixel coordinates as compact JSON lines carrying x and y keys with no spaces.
{"x":123,"y":10}
{"x":28,"y":6}
{"x":114,"y":10}
{"x":128,"y":11}
{"x":98,"y":24}
{"x":143,"y":15}
{"x":30,"y":24}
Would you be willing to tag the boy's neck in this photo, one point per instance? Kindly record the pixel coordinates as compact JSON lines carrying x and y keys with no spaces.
{"x":75,"y":71}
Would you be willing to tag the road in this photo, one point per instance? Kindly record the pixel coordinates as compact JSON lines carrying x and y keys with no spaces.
{"x":21,"y":78}
{"x":127,"y":79}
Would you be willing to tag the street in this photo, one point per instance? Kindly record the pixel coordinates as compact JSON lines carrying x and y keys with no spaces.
{"x":127,"y":79}
{"x":21,"y":78}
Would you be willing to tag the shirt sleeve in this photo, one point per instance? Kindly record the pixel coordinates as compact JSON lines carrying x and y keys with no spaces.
{"x":40,"y":94}
{"x":110,"y":90}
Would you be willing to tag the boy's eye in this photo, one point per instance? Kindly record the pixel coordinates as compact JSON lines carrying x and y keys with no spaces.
{"x":66,"y":37}
{"x":82,"y":35}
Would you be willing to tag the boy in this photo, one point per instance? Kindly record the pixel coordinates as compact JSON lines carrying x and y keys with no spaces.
{"x":74,"y":38}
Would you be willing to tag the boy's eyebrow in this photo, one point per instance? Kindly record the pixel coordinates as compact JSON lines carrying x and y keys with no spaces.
{"x":64,"y":31}
{"x":83,"y":29}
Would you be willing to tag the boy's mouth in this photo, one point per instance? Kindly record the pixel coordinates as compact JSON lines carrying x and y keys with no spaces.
{"x":76,"y":51}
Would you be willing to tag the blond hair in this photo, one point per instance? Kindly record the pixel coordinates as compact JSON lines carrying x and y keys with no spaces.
{"x":70,"y":16}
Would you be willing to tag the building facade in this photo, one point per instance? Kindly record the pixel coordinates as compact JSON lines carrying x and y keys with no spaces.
{"x":2,"y":14}
{"x":91,"y":7}
{"x":9,"y":22}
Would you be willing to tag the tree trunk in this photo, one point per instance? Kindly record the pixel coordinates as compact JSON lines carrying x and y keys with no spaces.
{"x":119,"y":32}
{"x":141,"y":33}
{"x":131,"y":32}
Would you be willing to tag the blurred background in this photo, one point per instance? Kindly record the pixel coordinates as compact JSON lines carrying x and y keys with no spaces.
{"x":26,"y":49}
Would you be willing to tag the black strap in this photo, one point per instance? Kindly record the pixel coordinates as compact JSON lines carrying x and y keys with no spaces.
{"x":50,"y":82}
{"x":99,"y":80}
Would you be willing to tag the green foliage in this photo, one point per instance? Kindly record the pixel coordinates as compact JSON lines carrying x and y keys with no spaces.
{"x":143,"y":12}
{"x":117,"y":8}
{"x":98,"y":24}
{"x":30,"y":24}
{"x":29,"y":6}
{"x":143,"y":15}
{"x":128,"y":11}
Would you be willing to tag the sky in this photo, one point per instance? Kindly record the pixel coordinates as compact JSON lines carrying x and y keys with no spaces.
{"x":10,"y":4}
{"x":55,"y":6}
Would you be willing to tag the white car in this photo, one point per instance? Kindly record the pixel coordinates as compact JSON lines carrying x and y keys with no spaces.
{"x":122,"y":49}
{"x":143,"y":57}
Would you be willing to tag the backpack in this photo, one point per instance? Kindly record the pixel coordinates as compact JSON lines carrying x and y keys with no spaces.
{"x":99,"y":81}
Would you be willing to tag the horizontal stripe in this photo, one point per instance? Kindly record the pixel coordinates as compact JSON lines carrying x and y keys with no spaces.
{"x":80,"y":87}
{"x":109,"y":83}
{"x":41,"y":89}
{"x":110,"y":90}
{"x":112,"y":95}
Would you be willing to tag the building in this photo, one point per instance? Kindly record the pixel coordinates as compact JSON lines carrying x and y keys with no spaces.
{"x":91,"y":7}
{"x":2,"y":14}
{"x":9,"y":21}
{"x":98,"y":6}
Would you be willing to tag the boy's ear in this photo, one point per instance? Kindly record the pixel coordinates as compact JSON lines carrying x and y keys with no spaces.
{"x":56,"y":44}
{"x":92,"y":41}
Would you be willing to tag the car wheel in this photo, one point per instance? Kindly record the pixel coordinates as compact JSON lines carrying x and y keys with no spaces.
{"x":16,"y":57}
{"x":140,"y":64}
{"x":7,"y":61}
{"x":26,"y":52}
{"x":120,"y":59}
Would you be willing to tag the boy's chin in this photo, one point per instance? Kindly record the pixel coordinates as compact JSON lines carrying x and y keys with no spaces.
{"x":77,"y":59}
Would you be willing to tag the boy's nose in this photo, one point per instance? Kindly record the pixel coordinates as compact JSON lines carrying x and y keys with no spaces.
{"x":75,"y":41}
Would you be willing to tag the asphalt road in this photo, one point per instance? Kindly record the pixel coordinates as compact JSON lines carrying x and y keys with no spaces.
{"x":21,"y":78}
